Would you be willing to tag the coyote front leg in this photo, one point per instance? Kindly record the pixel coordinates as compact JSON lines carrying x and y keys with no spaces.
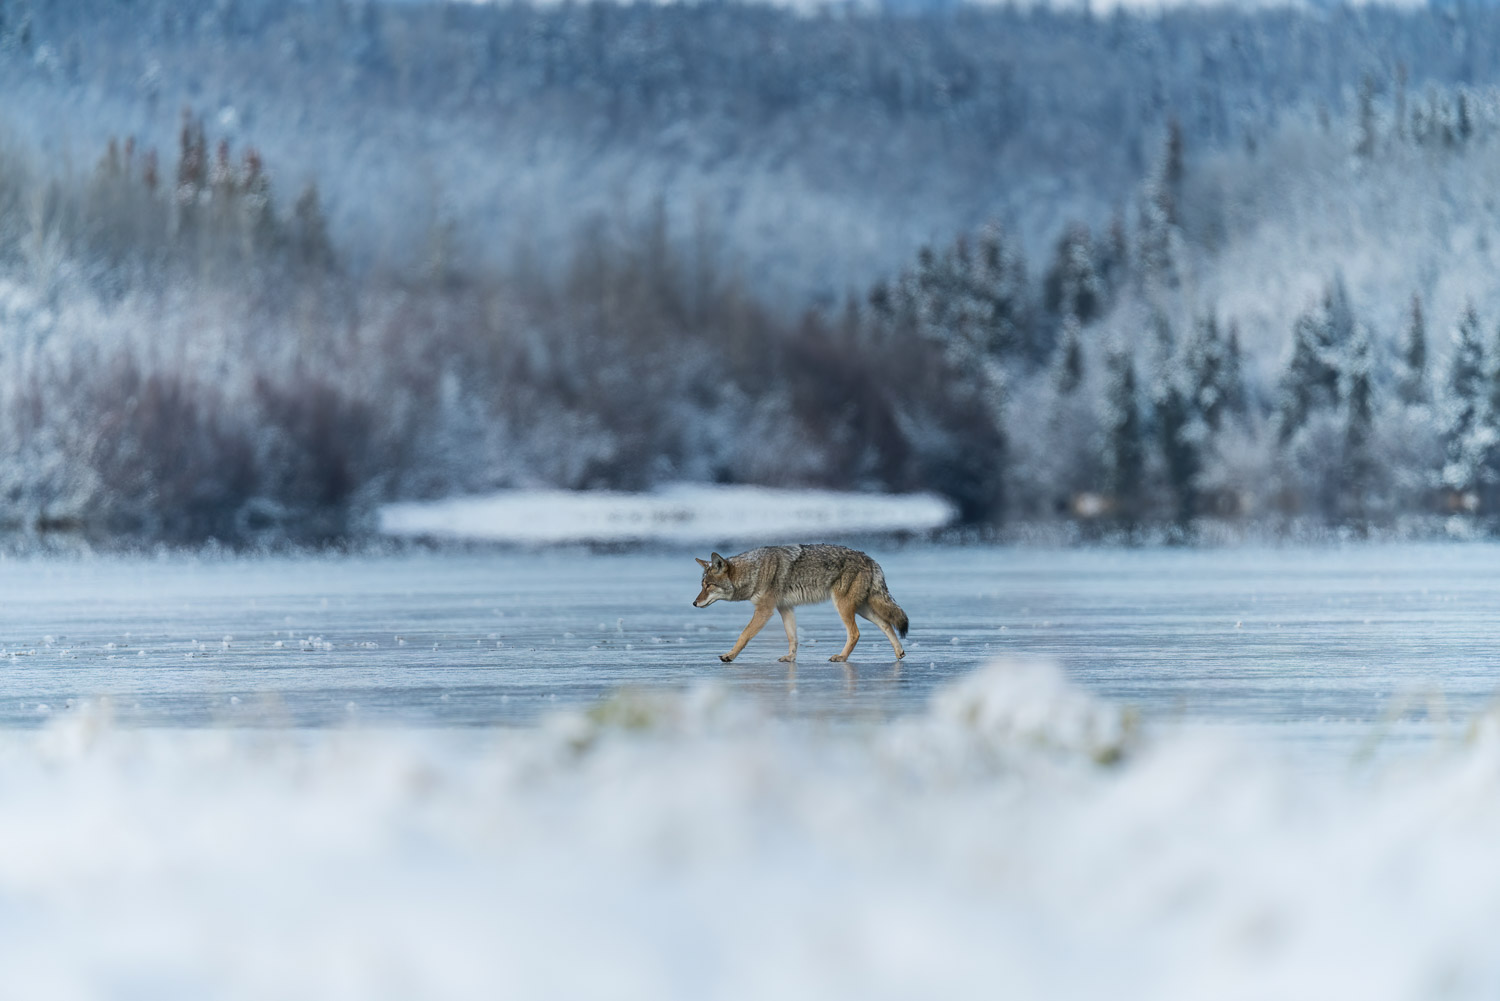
{"x":846,"y":612}
{"x":789,"y":620}
{"x":760,"y":618}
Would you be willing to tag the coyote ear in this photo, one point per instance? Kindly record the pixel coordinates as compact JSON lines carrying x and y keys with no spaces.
{"x":718,"y":560}
{"x":702,"y":563}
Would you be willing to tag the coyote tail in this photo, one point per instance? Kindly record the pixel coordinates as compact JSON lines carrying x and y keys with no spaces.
{"x":887,"y":609}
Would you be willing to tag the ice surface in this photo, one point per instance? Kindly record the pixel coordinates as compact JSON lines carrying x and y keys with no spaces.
{"x":1340,"y":646}
{"x":683,"y":513}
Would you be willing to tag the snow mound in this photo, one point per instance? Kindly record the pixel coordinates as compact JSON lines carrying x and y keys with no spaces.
{"x":1032,"y":704}
{"x":671,"y":845}
{"x":681,"y":514}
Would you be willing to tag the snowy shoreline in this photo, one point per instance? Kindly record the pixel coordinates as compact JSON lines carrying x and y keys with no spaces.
{"x":681,"y":513}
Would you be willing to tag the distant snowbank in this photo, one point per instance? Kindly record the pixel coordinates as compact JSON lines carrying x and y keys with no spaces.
{"x":683,"y":513}
{"x":1020,"y":839}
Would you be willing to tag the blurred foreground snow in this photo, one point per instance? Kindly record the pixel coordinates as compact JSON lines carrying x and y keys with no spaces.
{"x":681,"y":513}
{"x":1021,"y":839}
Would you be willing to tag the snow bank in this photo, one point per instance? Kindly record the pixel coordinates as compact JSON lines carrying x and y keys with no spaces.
{"x":681,"y":514}
{"x":667,"y":846}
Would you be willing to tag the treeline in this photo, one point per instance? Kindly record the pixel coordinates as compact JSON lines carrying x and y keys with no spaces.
{"x":191,"y":353}
{"x":823,"y":145}
{"x":176,"y":365}
{"x":211,"y":217}
{"x":1130,"y":403}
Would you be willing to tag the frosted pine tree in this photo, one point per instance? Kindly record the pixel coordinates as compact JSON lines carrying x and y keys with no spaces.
{"x":1464,"y":405}
{"x":1366,"y":137}
{"x":1067,"y":366}
{"x":1359,"y":464}
{"x":999,"y":281}
{"x":311,"y":247}
{"x":1236,"y":398}
{"x":1172,"y":420}
{"x":1114,"y":256}
{"x":1206,"y":366}
{"x":1158,"y":237}
{"x":1072,"y":286}
{"x":1489,"y":419}
{"x":1412,"y":386}
{"x":1158,"y":241}
{"x":1173,"y":169}
{"x":1124,"y":437}
{"x":192,"y":174}
{"x":1337,"y":329}
{"x":1302,"y":382}
{"x":1320,"y":341}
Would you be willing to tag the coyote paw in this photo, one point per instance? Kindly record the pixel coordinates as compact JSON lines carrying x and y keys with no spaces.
{"x":900,"y":654}
{"x":790,"y":658}
{"x":726,"y":658}
{"x":838,"y":658}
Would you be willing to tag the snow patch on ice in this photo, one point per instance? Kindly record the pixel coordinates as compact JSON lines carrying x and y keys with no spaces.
{"x":682,"y":513}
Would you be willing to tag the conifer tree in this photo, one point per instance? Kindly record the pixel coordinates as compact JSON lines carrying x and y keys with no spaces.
{"x":1365,"y":143}
{"x":1172,"y":421}
{"x":1400,"y":109}
{"x":1236,"y":399}
{"x":1464,"y":405}
{"x":260,"y":211}
{"x":1359,"y":460}
{"x":1173,"y":170}
{"x":1124,"y":437}
{"x":1179,"y":448}
{"x":1320,"y":342}
{"x":1489,"y":427}
{"x":1337,"y":330}
{"x":1164,"y":339}
{"x":1413,"y":378}
{"x":1205,"y":366}
{"x":192,"y":161}
{"x":1300,"y":382}
{"x":1114,"y":256}
{"x":999,"y":282}
{"x":192,"y":173}
{"x":150,"y":175}
{"x":882,"y":304}
{"x":313,"y":249}
{"x":1072,"y":286}
{"x":1067,"y":373}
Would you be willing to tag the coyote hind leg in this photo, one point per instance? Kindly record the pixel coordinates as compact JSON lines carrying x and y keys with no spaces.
{"x":885,"y":627}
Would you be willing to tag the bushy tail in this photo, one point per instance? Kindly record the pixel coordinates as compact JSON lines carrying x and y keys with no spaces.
{"x":888,"y":610}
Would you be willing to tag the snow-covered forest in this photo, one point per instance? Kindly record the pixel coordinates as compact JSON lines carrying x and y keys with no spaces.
{"x":264,"y":265}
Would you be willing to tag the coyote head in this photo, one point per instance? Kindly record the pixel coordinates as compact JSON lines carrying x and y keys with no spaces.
{"x":716,"y":583}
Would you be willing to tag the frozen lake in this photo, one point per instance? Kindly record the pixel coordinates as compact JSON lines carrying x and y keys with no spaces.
{"x":946,"y":827}
{"x":1323,"y":642}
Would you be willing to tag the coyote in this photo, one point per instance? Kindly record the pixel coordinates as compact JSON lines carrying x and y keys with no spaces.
{"x":778,"y":578}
